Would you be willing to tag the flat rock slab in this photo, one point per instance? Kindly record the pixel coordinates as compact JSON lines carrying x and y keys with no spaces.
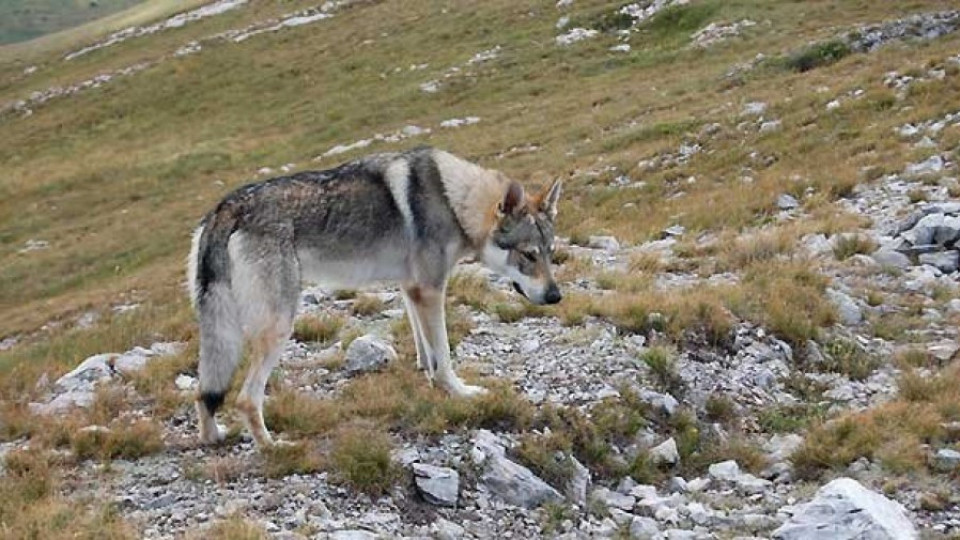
{"x":844,"y":509}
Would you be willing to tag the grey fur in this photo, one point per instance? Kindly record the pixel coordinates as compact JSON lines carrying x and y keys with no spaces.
{"x":386,"y":217}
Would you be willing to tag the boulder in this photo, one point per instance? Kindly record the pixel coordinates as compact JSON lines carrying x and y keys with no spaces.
{"x":945,"y":261}
{"x":845,"y":509}
{"x":665,"y":452}
{"x":579,"y":483}
{"x":368,"y":353}
{"x":438,"y":485}
{"x":612,"y":499}
{"x":847,"y":308}
{"x":512,"y":482}
{"x":787,"y":202}
{"x":933,"y":164}
{"x":644,"y":528}
{"x":725,"y":470}
{"x":889,"y":258}
{"x":606,"y":243}
{"x":946,"y":460}
{"x":78,"y":387}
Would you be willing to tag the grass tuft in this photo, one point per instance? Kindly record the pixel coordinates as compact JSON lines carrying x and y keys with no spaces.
{"x":322,"y":329}
{"x":360,"y":458}
{"x":816,"y":55}
{"x":367,"y":305}
{"x":848,"y":245}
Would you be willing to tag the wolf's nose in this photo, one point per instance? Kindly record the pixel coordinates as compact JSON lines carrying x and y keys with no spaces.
{"x":553,"y":295}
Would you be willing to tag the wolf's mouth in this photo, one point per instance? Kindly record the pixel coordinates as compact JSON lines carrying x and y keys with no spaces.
{"x":519,"y":290}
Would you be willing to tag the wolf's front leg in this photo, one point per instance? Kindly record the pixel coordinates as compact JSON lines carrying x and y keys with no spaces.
{"x":428,"y":303}
{"x":416,"y":329}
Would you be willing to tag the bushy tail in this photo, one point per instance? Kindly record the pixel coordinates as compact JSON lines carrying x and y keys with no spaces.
{"x":221,"y":333}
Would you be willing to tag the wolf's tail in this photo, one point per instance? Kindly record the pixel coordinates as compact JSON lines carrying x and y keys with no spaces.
{"x":218,"y":313}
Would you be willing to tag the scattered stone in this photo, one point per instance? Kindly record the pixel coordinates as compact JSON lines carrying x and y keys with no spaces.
{"x":438,"y":485}
{"x":458,"y":122}
{"x":176,"y":21}
{"x":448,"y":530}
{"x":78,"y":387}
{"x":845,"y":509}
{"x":888,"y":258}
{"x":754,"y":108}
{"x":946,"y":460}
{"x":666,"y":452}
{"x":787,"y":202}
{"x":579,"y":482}
{"x":574,"y":35}
{"x":779,"y":447}
{"x":847,"y":308}
{"x":944,"y":351}
{"x":749,"y":484}
{"x":612,"y":499}
{"x":725,"y":470}
{"x":663,"y":402}
{"x":606,"y":243}
{"x":674,"y":231}
{"x":510,"y":481}
{"x":33,"y":245}
{"x":185,"y":382}
{"x":368,"y":353}
{"x":931,"y":165}
{"x":770,"y":126}
{"x":715,"y":33}
{"x":644,"y":528}
{"x":945,"y":261}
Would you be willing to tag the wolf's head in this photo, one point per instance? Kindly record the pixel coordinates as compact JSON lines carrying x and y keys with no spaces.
{"x":521,"y":244}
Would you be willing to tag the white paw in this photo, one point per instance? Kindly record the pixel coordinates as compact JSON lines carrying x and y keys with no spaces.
{"x":467,"y":391}
{"x":473,"y":391}
{"x":214,"y":434}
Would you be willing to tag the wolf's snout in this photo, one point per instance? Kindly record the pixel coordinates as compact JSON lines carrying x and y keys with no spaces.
{"x":553,"y":296}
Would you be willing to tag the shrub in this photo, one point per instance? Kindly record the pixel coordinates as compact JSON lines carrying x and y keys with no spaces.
{"x":367,"y":304}
{"x":817,"y":55}
{"x":360,"y":458}
{"x":322,"y":329}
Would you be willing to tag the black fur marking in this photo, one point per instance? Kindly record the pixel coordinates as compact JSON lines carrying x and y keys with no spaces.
{"x":212,"y":400}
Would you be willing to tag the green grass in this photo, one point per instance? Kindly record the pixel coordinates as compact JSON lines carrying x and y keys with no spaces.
{"x":115,"y":179}
{"x":21,"y":20}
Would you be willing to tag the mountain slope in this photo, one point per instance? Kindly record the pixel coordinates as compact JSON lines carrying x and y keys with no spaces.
{"x":751,"y":160}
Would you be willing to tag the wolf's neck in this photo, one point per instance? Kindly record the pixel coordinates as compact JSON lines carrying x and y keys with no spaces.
{"x":473,"y":192}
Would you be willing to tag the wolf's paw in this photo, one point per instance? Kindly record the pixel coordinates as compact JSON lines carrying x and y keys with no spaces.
{"x":467,"y":391}
{"x":281,"y":443}
{"x":475,"y":391}
{"x":213,"y":434}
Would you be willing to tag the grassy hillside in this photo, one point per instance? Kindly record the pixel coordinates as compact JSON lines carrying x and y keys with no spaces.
{"x":21,"y":20}
{"x":109,"y":181}
{"x":136,"y":157}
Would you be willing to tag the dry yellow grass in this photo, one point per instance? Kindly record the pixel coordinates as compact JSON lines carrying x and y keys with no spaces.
{"x":893,"y":434}
{"x":116,"y":178}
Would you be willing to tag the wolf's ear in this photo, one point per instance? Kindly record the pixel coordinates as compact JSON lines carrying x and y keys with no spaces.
{"x":549,"y":198}
{"x":512,"y":200}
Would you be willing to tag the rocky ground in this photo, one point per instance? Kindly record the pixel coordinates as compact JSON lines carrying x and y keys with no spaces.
{"x":468,"y":484}
{"x":472,"y":484}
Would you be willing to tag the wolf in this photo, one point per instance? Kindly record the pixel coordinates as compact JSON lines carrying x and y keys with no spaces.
{"x":402,"y":218}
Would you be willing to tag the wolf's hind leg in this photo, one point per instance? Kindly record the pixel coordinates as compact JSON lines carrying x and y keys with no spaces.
{"x":268,"y":347}
{"x":430,"y":313}
{"x":221,"y":344}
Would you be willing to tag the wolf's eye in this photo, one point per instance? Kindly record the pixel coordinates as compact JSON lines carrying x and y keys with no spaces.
{"x":529,"y":255}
